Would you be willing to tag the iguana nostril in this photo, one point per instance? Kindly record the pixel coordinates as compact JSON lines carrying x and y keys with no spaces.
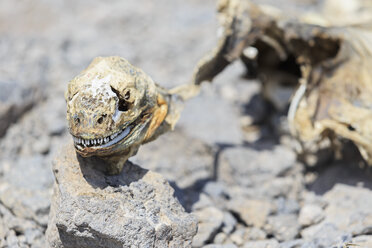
{"x":100,"y":119}
{"x":77,"y":120}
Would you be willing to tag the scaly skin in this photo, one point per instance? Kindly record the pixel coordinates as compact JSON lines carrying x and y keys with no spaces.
{"x":113,"y":108}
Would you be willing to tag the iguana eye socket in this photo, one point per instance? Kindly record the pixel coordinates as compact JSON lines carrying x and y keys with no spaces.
{"x":127,"y":96}
{"x":123,"y":105}
{"x":125,"y":102}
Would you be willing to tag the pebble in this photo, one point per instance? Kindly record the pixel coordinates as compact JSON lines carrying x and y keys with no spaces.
{"x":251,"y":211}
{"x":270,"y":243}
{"x":210,"y":221}
{"x":284,"y":227}
{"x":310,"y":214}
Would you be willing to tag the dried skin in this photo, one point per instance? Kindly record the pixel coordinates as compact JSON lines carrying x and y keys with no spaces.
{"x":114,"y":107}
{"x":324,"y":51}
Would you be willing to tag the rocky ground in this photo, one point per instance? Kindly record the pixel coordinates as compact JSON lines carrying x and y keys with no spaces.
{"x":242,"y":181}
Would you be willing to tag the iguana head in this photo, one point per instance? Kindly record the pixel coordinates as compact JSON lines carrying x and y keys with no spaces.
{"x":110,"y":106}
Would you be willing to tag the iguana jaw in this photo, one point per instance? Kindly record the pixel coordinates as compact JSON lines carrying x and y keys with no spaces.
{"x":119,"y":141}
{"x":108,"y":141}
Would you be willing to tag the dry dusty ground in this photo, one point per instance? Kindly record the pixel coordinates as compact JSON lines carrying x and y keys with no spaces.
{"x":246,"y":187}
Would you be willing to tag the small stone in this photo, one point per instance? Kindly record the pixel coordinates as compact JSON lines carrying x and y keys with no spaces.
{"x":229,"y":222}
{"x":31,"y":235}
{"x":16,"y":98}
{"x":162,"y":154}
{"x":238,"y":237}
{"x":214,"y":189}
{"x":42,"y":145}
{"x":297,"y":243}
{"x":252,"y":211}
{"x":363,"y":241}
{"x":278,"y":187}
{"x":347,"y":213}
{"x":286,"y":206}
{"x":284,"y":227}
{"x":270,"y":243}
{"x":220,"y":246}
{"x":310,"y":214}
{"x":203,"y":202}
{"x":349,"y":209}
{"x":222,"y":114}
{"x":249,"y":167}
{"x":322,"y":235}
{"x":210,"y":221}
{"x":254,"y":233}
{"x":311,"y":198}
{"x":11,"y":239}
{"x":220,"y":238}
{"x":3,"y":229}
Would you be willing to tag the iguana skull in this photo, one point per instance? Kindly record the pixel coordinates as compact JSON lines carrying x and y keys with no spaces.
{"x":112,"y":108}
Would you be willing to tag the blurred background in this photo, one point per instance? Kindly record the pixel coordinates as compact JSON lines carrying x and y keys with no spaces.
{"x":44,"y":44}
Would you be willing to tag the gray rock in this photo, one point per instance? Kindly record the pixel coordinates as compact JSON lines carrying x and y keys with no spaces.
{"x":210,"y":222}
{"x":55,"y":121}
{"x":310,"y":214}
{"x":243,"y":234}
{"x":203,"y":202}
{"x":347,"y":213}
{"x":220,"y":238}
{"x":229,"y":222}
{"x":253,"y":212}
{"x":297,"y":243}
{"x":310,"y":197}
{"x":248,"y":167}
{"x":42,"y":145}
{"x":220,"y":246}
{"x":324,"y":235}
{"x":284,"y":227}
{"x":254,"y":233}
{"x":174,"y":157}
{"x":15,"y":99}
{"x":32,"y":235}
{"x":238,"y":236}
{"x":220,"y":125}
{"x":286,"y":206}
{"x":135,"y":208}
{"x":363,"y":241}
{"x":214,"y":189}
{"x":12,"y":240}
{"x":280,"y":187}
{"x":269,"y":243}
{"x":353,"y":204}
{"x":3,"y":229}
{"x":30,"y":179}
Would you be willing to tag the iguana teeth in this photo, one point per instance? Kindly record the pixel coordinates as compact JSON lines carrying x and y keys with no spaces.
{"x":101,"y":141}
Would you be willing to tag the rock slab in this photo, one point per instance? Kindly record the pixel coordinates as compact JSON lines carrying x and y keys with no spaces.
{"x":133,"y":209}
